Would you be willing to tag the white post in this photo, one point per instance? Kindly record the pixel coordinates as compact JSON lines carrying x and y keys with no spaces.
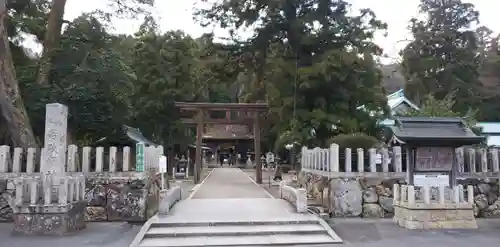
{"x":334,"y":157}
{"x":361,"y":160}
{"x":372,"y":156}
{"x":348,"y":160}
{"x":397,"y":159}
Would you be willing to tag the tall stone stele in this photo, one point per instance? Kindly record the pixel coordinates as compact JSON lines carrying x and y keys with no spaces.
{"x":55,"y":140}
{"x":51,"y":202}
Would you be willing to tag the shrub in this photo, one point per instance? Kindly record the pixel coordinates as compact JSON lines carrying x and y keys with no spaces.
{"x":354,"y":141}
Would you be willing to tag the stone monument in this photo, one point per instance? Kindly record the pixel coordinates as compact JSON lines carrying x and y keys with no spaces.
{"x":55,"y":140}
{"x":51,"y":202}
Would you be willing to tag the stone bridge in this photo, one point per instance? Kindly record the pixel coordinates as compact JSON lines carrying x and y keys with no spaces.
{"x":229,"y":209}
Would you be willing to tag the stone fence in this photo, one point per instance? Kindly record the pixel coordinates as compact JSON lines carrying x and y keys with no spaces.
{"x":360,"y":182}
{"x":434,"y":207}
{"x":114,"y":191}
{"x":472,"y":163}
{"x":91,"y":159}
{"x":295,"y":196}
{"x":38,"y":190}
{"x":48,"y":204}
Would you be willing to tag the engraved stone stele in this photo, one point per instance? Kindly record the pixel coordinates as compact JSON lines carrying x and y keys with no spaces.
{"x":55,"y":140}
{"x":51,"y":202}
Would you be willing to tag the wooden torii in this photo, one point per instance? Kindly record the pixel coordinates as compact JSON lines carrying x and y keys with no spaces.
{"x":252,"y":117}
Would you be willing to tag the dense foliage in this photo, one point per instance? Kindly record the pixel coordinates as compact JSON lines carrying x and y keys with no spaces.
{"x":314,"y":61}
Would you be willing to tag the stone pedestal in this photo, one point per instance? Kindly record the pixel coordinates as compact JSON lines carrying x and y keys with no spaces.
{"x":48,"y":205}
{"x":50,"y":220}
{"x":127,"y":196}
{"x":423,"y":209}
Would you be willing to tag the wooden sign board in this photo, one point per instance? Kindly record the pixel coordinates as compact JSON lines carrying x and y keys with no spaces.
{"x":434,"y":159}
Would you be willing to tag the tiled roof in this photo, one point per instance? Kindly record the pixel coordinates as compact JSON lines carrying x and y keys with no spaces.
{"x":395,"y":99}
{"x":398,"y":97}
{"x":433,"y":128}
{"x":136,"y":135}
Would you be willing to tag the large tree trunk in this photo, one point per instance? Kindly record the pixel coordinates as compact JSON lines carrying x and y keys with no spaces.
{"x":50,"y":44}
{"x":13,"y":113}
{"x":51,"y":40}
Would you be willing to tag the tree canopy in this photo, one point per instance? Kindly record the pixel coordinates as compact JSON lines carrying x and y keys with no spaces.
{"x":315,"y":62}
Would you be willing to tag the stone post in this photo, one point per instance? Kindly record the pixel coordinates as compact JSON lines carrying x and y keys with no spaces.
{"x":334,"y":158}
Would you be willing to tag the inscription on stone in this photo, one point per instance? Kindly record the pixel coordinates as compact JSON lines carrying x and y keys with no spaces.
{"x":434,"y":159}
{"x":55,"y":143}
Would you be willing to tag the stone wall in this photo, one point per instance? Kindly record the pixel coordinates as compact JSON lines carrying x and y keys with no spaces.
{"x":486,"y":197}
{"x":6,"y":191}
{"x":130,"y":197}
{"x":125,"y":196}
{"x":373,"y":198}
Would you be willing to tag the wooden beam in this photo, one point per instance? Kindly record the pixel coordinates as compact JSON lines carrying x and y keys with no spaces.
{"x":199,"y":138}
{"x":261,"y":107}
{"x":218,"y":121}
{"x":256,"y":134}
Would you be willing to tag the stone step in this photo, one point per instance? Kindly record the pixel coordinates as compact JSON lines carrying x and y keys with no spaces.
{"x":241,"y":230}
{"x":266,"y":240}
{"x":233,"y":223}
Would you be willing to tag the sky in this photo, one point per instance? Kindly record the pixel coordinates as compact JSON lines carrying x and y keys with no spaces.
{"x":177,"y":14}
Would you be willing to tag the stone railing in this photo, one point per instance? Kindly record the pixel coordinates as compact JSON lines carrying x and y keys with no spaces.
{"x":172,"y":196}
{"x":37,"y":190}
{"x":37,"y":199}
{"x":434,"y":207}
{"x":297,"y":197}
{"x":113,"y":160}
{"x":114,"y":191}
{"x":389,"y":163}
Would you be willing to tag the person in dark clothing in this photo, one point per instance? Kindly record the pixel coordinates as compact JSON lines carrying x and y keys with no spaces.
{"x":230,"y":159}
{"x":221,"y":158}
{"x":217,"y":156}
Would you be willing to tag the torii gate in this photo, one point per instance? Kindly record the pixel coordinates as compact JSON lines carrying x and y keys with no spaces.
{"x":252,"y":117}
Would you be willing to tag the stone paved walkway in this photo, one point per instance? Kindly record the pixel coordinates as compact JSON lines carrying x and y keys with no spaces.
{"x":229,"y":183}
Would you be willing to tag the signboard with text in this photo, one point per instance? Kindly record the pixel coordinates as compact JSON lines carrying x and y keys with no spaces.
{"x":434,"y":159}
{"x":431,"y":180}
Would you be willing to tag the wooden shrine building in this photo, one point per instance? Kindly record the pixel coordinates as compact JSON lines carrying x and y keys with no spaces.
{"x":238,"y":123}
{"x":429,"y":144}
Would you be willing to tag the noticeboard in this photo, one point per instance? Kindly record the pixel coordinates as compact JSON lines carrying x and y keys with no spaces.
{"x":431,"y":180}
{"x":434,"y":159}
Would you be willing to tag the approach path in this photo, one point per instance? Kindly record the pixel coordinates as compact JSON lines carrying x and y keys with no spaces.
{"x":229,"y":183}
{"x":229,"y":209}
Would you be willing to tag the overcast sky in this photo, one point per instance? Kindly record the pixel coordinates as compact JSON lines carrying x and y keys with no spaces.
{"x":177,"y":14}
